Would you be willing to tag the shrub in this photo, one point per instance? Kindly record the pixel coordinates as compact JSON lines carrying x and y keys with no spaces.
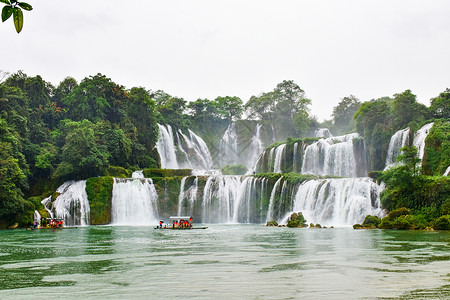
{"x":297,"y":220}
{"x":442,"y":223}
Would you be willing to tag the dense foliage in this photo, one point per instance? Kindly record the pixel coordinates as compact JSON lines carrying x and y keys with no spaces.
{"x":98,"y":128}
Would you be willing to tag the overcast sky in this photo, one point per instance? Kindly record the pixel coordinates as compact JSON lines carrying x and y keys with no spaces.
{"x":208,"y":48}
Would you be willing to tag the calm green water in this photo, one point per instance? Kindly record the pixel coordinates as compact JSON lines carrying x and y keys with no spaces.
{"x":224,"y":262}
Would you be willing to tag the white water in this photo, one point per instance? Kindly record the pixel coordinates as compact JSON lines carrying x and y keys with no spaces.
{"x":278,"y":156}
{"x":228,"y":151}
{"x":399,"y":140}
{"x":322,"y":132}
{"x":331,"y":156}
{"x":419,"y":139}
{"x":166,"y":147}
{"x":37,"y":217}
{"x":272,"y":198}
{"x":447,"y":172}
{"x":72,"y":204}
{"x":181,"y":151}
{"x":256,"y":147}
{"x":134,"y":202}
{"x":187,"y":197}
{"x":137,"y":174}
{"x":46,"y":203}
{"x":338,"y":202}
{"x":219,"y":195}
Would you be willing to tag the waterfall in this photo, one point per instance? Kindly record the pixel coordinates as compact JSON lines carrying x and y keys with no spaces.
{"x":256,"y":147}
{"x":166,"y":147}
{"x":419,"y":139}
{"x":46,"y":203}
{"x":294,"y":158}
{"x":37,"y":217}
{"x":202,"y":149}
{"x":219,"y":195}
{"x":228,"y":151}
{"x":278,"y":156}
{"x":181,"y":151}
{"x":134,"y":202}
{"x":447,"y":172}
{"x":187,"y":197}
{"x":322,"y":132}
{"x":332,"y":156}
{"x":272,"y":199}
{"x":72,"y":204}
{"x":137,"y":174}
{"x":338,"y":202}
{"x":399,"y":140}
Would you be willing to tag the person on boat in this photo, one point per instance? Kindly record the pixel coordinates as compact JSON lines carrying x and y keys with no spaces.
{"x":160,"y":224}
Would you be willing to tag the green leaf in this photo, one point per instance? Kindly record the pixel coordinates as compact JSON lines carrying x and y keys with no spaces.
{"x":25,"y":6}
{"x":18,"y":19}
{"x":5,"y":1}
{"x":6,"y":13}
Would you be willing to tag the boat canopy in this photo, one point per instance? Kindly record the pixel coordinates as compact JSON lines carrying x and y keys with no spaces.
{"x":181,"y":218}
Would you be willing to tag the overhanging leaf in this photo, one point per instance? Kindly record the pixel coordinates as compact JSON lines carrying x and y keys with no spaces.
{"x":25,"y":6}
{"x":6,"y":13}
{"x":18,"y":19}
{"x":5,"y":1}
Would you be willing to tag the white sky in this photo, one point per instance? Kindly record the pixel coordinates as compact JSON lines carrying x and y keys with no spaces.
{"x":208,"y":48}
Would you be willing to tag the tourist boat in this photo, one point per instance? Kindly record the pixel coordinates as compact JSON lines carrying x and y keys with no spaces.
{"x":178,"y":222}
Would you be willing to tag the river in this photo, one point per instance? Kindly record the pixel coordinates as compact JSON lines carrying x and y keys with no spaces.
{"x":224,"y":262}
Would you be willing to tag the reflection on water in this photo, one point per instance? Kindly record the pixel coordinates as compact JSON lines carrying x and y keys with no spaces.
{"x":224,"y":261}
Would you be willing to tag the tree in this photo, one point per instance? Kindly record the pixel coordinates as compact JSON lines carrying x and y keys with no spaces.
{"x":96,"y":98}
{"x":343,"y":114}
{"x":83,"y":154}
{"x":406,"y":109}
{"x":286,"y":107}
{"x":440,"y":105}
{"x":229,"y":107}
{"x":14,"y":8}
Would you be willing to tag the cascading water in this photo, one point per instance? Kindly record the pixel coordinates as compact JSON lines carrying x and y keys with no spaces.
{"x":137,"y":174}
{"x":399,"y":140}
{"x":46,"y":203}
{"x":322,"y":132}
{"x":201,"y":148}
{"x":134,"y":202}
{"x":338,"y":202}
{"x":166,"y":148}
{"x":187,"y":197}
{"x":233,"y":199}
{"x":294,"y":158}
{"x":278,"y":156}
{"x":447,"y":172}
{"x":72,"y":204}
{"x":181,"y":151}
{"x":228,"y":152}
{"x":272,"y":199}
{"x":419,"y":139}
{"x":256,"y":147}
{"x":332,"y":156}
{"x":37,"y":217}
{"x":219,"y":195}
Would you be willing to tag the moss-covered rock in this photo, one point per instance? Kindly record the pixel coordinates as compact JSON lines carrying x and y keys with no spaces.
{"x":119,"y":172}
{"x":151,"y":173}
{"x":297,"y":220}
{"x":99,"y":192}
{"x":272,"y":223}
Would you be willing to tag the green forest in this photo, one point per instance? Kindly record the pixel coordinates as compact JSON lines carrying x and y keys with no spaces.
{"x":96,"y":127}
